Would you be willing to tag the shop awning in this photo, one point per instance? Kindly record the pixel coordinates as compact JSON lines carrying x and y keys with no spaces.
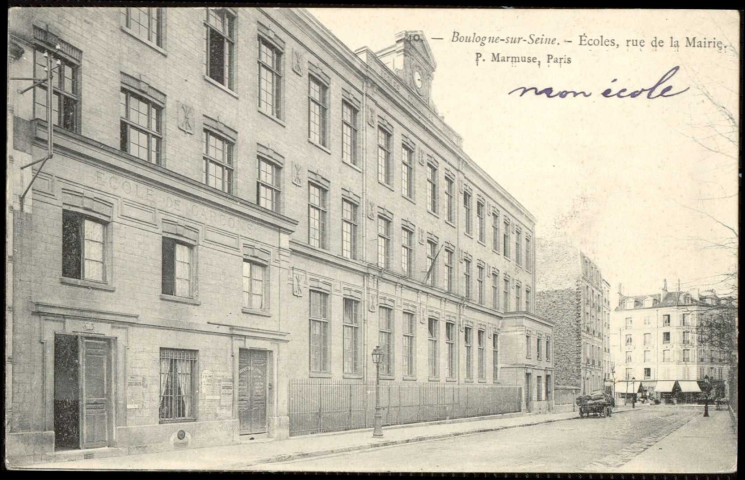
{"x":665,"y":386}
{"x":689,"y":386}
{"x":622,"y":386}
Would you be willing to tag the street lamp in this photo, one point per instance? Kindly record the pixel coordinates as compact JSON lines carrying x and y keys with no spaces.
{"x":633,"y":392}
{"x":377,"y":356}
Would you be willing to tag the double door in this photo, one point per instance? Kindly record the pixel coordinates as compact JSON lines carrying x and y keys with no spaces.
{"x":82,"y":392}
{"x":252,"y":390}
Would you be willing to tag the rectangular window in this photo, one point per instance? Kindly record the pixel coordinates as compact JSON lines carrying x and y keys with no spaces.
{"x":385,"y":340}
{"x":469,"y":352}
{"x":450,"y":275}
{"x":538,"y":348}
{"x":254,"y":285}
{"x":495,"y":357}
{"x":481,"y":345}
{"x":65,"y":91}
{"x":384,"y":243}
{"x":349,"y":133}
{"x":528,"y":347}
{"x":646,"y":320}
{"x":431,"y":265}
{"x":450,"y":345}
{"x":665,"y":337}
{"x":348,"y":229}
{"x":450,"y":195}
{"x":270,"y":79}
{"x":506,"y":295}
{"x":384,"y":157}
{"x":140,"y":127}
{"x":467,"y":213}
{"x":317,"y":216}
{"x":407,"y":244}
{"x":647,"y":373}
{"x":83,"y":247}
{"x":666,"y":320}
{"x":647,"y":356}
{"x":495,"y":290}
{"x":144,"y":23}
{"x":548,"y":349}
{"x":480,"y":284}
{"x":178,"y":382}
{"x":407,"y":172}
{"x":433,"y":357}
{"x":268,"y":185}
{"x":686,"y":338}
{"x":319,"y":332}
{"x":351,"y":336}
{"x":628,"y":357}
{"x":217,"y":168}
{"x":518,"y":248}
{"x":467,"y":278}
{"x":432,"y":188}
{"x":666,"y":355}
{"x":481,"y":221}
{"x":409,"y":344}
{"x":628,"y":339}
{"x":495,"y":232}
{"x":628,"y":322}
{"x":177,"y":268}
{"x":506,"y":240}
{"x":528,"y":257}
{"x":220,"y":40}
{"x":518,"y":297}
{"x":317,"y":111}
{"x":629,"y":372}
{"x":647,"y":339}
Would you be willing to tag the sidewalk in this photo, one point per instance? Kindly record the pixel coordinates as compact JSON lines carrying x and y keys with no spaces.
{"x":703,"y":445}
{"x":244,"y":455}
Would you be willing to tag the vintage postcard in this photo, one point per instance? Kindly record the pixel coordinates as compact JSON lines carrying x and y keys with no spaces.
{"x":372,"y":240}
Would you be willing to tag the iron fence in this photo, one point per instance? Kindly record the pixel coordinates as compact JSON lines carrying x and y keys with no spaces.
{"x":322,"y":405}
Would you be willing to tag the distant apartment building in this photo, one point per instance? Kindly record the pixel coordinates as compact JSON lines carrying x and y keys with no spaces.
{"x":573,"y":293}
{"x":655,"y":345}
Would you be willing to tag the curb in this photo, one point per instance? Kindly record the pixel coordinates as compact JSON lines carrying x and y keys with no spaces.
{"x":421,"y":438}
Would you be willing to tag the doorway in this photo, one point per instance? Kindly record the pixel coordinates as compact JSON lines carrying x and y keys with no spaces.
{"x":82,"y":406}
{"x":528,"y":392}
{"x":252,"y":391}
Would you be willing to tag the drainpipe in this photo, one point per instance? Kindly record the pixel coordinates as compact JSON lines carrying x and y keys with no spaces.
{"x":363,"y":222}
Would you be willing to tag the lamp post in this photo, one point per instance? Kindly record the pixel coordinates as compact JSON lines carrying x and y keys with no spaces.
{"x":633,"y":392}
{"x":377,"y":355}
{"x":707,"y":389}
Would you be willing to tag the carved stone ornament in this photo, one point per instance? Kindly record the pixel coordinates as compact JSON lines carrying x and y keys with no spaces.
{"x":371,"y":116}
{"x":371,"y":210}
{"x":185,"y":115}
{"x":297,"y":172}
{"x":297,"y":62}
{"x":297,"y":288}
{"x":421,"y":157}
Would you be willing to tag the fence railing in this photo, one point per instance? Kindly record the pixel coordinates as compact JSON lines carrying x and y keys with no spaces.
{"x":321,"y":405}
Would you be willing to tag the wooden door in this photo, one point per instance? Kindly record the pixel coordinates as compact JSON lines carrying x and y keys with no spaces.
{"x":95,"y":391}
{"x":252,"y":391}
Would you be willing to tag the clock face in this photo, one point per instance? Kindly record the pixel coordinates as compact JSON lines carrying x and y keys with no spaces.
{"x":418,"y":79}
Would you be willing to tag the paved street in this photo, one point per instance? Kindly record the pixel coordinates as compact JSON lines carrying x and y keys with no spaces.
{"x":590,"y":445}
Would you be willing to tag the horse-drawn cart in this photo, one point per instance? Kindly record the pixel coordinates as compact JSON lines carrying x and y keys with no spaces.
{"x":596,"y":404}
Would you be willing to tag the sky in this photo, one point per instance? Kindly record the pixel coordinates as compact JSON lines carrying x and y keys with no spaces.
{"x":640,"y":185}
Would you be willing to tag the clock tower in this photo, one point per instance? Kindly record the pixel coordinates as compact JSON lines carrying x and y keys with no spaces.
{"x":411,"y":59}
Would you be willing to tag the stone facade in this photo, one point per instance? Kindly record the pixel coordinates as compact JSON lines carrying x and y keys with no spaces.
{"x":572,"y":292}
{"x":228,"y":345}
